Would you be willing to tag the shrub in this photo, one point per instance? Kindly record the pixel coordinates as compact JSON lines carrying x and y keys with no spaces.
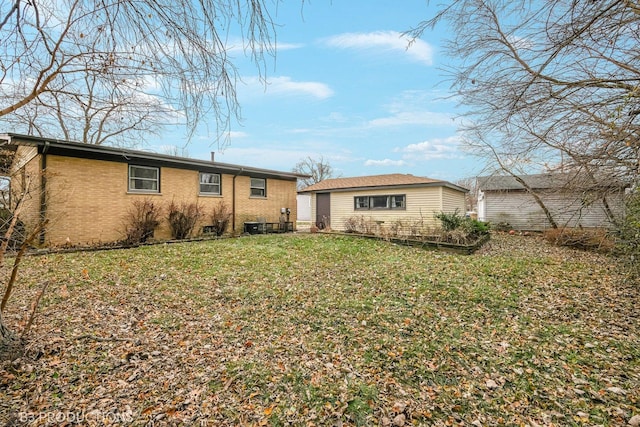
{"x":351,"y":224}
{"x":474,"y":227}
{"x":182,"y":218}
{"x":220,"y":217}
{"x":417,"y":228}
{"x":360,"y":224}
{"x":457,"y":236}
{"x":450,"y":221}
{"x":470,"y":228}
{"x":502,"y":226}
{"x":141,"y":220}
{"x":580,"y":238}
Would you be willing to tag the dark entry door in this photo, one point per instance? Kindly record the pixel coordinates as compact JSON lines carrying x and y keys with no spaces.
{"x":323,"y":210}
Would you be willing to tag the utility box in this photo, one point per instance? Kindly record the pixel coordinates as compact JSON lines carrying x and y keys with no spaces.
{"x":252,"y":227}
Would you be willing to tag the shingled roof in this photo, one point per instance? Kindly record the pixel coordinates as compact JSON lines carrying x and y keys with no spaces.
{"x":9,"y":142}
{"x":365,"y":182}
{"x":544,"y":181}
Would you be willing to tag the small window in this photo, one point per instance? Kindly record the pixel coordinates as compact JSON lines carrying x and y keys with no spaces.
{"x":258,"y":187}
{"x":397,"y":202}
{"x":362,"y":202}
{"x":210,"y":183}
{"x":379,"y":202}
{"x":144,"y":179}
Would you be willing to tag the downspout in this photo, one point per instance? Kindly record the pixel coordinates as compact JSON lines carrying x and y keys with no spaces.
{"x":43,"y":188}
{"x":233,"y":201}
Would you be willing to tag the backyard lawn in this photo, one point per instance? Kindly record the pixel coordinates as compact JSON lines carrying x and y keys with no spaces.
{"x":317,"y":330}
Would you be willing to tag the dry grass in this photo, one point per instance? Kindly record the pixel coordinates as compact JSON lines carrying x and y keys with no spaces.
{"x":325,"y":330}
{"x":592,"y":239}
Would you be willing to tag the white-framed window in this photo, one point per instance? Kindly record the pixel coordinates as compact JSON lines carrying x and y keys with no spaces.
{"x":398,"y":201}
{"x":379,"y":202}
{"x":210,"y":183}
{"x":258,"y":187}
{"x":361,"y":202}
{"x":395,"y":201}
{"x":144,"y":179}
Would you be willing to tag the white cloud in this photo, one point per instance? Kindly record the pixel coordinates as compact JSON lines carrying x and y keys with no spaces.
{"x":235,"y":134}
{"x":402,"y":118}
{"x":385,"y":162}
{"x":335,"y":117}
{"x":284,"y":85}
{"x":438,"y":148}
{"x":384,"y":41}
{"x":520,"y":42}
{"x":288,"y":46}
{"x":238,"y":45}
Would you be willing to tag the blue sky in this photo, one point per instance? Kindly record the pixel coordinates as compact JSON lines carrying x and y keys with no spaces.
{"x":345,"y":85}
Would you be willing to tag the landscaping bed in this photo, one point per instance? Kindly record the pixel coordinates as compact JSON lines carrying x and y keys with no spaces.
{"x":427,"y":243}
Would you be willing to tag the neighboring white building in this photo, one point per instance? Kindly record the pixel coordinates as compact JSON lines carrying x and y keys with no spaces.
{"x":304,"y":207}
{"x":502,"y":199}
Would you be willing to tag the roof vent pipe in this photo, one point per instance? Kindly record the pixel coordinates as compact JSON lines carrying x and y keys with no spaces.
{"x":213,"y":156}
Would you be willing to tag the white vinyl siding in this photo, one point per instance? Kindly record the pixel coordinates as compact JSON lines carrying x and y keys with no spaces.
{"x":520,"y":210}
{"x":453,"y":200}
{"x":419,"y":203}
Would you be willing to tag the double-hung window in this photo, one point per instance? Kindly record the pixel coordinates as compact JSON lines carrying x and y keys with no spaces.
{"x":144,"y":179}
{"x":361,"y":202}
{"x":210,"y":183}
{"x":258,"y":187}
{"x":398,"y":201}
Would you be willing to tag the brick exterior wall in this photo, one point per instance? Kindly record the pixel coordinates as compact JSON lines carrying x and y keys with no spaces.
{"x":280,"y":194}
{"x":87,"y":200}
{"x":27,"y":172}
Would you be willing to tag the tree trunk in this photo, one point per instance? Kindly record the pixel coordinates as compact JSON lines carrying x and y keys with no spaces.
{"x":10,"y":345}
{"x":537,"y":198}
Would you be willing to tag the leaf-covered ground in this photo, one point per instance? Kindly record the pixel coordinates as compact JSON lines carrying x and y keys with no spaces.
{"x":322,"y":330}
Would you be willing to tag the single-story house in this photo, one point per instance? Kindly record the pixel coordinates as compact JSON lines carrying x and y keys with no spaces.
{"x":86,"y":190}
{"x":502,"y":199}
{"x":382,"y":198}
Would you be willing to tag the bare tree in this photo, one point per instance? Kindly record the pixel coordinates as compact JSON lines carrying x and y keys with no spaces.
{"x":10,"y":341}
{"x":121,"y":65}
{"x":471,"y":197}
{"x":94,"y":112}
{"x":549,"y":85}
{"x":317,"y":170}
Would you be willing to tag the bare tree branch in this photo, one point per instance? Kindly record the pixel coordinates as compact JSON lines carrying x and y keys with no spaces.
{"x":316,"y":169}
{"x":94,"y":57}
{"x":548,"y":86}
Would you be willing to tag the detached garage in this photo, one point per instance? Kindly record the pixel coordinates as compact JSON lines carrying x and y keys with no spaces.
{"x":383,"y":198}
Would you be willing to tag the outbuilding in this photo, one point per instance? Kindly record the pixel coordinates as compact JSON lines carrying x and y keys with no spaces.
{"x":383,"y":199}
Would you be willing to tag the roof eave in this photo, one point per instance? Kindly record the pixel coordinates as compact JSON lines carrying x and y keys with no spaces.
{"x":128,"y":155}
{"x":388,"y":186}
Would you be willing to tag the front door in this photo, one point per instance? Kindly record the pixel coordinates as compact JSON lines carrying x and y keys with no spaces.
{"x":323,"y":210}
